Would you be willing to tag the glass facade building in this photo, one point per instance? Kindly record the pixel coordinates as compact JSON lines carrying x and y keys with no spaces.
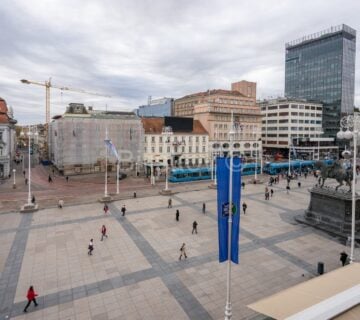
{"x":321,"y":67}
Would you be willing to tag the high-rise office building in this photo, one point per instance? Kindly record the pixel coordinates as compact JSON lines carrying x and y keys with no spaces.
{"x":321,"y":67}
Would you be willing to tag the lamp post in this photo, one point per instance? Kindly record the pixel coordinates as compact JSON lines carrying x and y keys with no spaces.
{"x":14,"y":173}
{"x":351,"y":124}
{"x":166,"y":134}
{"x":289,"y":171}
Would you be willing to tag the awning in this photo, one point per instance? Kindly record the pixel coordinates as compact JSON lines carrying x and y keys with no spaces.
{"x":333,"y":295}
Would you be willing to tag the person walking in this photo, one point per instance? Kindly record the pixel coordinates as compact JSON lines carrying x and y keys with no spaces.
{"x":24,"y":172}
{"x":177,"y":214}
{"x":33,"y":199}
{"x":50,"y":179}
{"x":67,"y":179}
{"x":194,"y":229}
{"x":61,"y":204}
{"x":106,"y":208}
{"x":103,"y":232}
{"x":243,"y":185}
{"x":343,"y":258}
{"x":91,"y":247}
{"x":287,"y":189}
{"x":26,"y":181}
{"x":170,"y":203}
{"x":299,"y":184}
{"x":123,"y":210}
{"x":183,"y":251}
{"x":271,"y":192}
{"x":31,"y":294}
{"x":204,"y":207}
{"x":244,"y":207}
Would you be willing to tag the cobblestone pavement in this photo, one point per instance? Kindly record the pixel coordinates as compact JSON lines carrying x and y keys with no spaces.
{"x":135,"y":272}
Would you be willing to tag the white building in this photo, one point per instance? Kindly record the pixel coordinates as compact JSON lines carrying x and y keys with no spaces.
{"x":178,"y":145}
{"x":7,"y":139}
{"x":293,"y":122}
{"x":76,"y":139}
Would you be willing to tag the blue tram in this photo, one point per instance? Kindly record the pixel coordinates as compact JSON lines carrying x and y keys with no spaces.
{"x":194,"y":174}
{"x":274,"y":168}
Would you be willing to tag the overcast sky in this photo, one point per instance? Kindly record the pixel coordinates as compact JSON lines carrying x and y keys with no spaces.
{"x":133,"y":49}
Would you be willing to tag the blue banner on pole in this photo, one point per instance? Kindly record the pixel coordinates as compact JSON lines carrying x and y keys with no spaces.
{"x":223,"y":174}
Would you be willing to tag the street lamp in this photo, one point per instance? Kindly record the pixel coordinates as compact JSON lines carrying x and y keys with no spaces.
{"x":351,"y":124}
{"x":14,"y":173}
{"x":166,"y":133}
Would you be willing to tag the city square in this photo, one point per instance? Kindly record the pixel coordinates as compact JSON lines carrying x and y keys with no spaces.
{"x":135,"y":273}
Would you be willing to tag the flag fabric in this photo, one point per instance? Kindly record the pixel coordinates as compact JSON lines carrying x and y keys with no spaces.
{"x":112,"y":148}
{"x":223,"y":174}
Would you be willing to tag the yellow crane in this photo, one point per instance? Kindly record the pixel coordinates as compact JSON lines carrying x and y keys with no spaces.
{"x":48,"y":85}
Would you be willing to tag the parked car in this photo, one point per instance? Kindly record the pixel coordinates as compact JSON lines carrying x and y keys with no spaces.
{"x":122,"y":175}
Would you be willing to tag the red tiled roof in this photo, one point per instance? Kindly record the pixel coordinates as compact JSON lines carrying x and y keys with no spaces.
{"x":3,"y":111}
{"x":155,"y":125}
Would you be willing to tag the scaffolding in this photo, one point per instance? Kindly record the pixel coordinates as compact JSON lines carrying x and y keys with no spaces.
{"x":77,"y":141}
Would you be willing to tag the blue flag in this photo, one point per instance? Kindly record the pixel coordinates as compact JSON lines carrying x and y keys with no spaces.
{"x":112,"y":148}
{"x":223,"y":174}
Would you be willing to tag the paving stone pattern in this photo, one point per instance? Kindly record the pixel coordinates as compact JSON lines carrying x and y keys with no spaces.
{"x":135,"y":273}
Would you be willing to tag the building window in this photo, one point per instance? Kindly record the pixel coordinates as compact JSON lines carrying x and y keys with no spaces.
{"x":203,"y":149}
{"x":197,"y":139}
{"x":145,"y":139}
{"x":190,"y":138}
{"x":152,"y":149}
{"x":160,"y":149}
{"x":197,"y":149}
{"x":190,"y":149}
{"x":152,"y":139}
{"x":168,"y":149}
{"x":203,"y":139}
{"x":183,"y":149}
{"x":160,"y":139}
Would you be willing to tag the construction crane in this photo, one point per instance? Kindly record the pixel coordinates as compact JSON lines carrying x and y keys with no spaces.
{"x":48,"y":85}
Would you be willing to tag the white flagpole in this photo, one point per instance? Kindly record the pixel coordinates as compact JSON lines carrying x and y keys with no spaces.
{"x":106,"y":156}
{"x":117,"y":177}
{"x":228,"y":307}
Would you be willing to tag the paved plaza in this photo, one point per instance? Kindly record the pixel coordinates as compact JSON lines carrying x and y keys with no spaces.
{"x":135,"y":273}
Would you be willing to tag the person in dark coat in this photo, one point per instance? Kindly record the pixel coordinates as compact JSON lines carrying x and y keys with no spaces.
{"x":91,"y":247}
{"x":204,"y":207}
{"x":194,"y":229}
{"x":49,"y":179}
{"x":170,"y":203}
{"x":299,"y":184}
{"x":177,"y":214}
{"x":343,"y":257}
{"x":183,"y":251}
{"x":31,"y":294}
{"x":243,"y":185}
{"x":67,"y":179}
{"x":244,"y":207}
{"x":106,"y":208}
{"x":123,"y":210}
{"x":33,"y":199}
{"x":271,"y":192}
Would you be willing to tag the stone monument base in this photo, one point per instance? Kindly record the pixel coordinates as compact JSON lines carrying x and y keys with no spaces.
{"x":27,"y":208}
{"x":213,"y":186}
{"x":167,"y":192}
{"x":330,"y":211}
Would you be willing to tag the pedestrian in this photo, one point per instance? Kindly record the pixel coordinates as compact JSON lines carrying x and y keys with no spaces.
{"x":271,"y":192}
{"x":67,"y":179}
{"x":244,"y":207}
{"x":287,"y":189}
{"x":183,"y":251}
{"x":243,"y":185}
{"x":26,"y":181}
{"x":91,"y":247}
{"x":177,"y":214}
{"x":103,"y":232}
{"x":49,"y":179}
{"x":170,"y":203}
{"x":123,"y":210}
{"x":305,"y":175}
{"x":53,"y":171}
{"x":299,"y":184}
{"x":106,"y":208}
{"x":33,"y":199}
{"x":24,"y":173}
{"x":60,"y":204}
{"x":194,"y":229}
{"x":204,"y":207}
{"x":343,"y":257}
{"x":31,"y":294}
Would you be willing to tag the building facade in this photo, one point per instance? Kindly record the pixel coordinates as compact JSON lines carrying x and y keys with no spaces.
{"x":162,"y":107}
{"x":321,"y":67}
{"x":294,"y":123}
{"x":216,"y":109}
{"x":7,"y":139}
{"x":77,"y":139}
{"x":175,"y":145}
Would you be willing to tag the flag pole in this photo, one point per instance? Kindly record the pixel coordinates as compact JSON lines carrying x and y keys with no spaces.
{"x":106,"y":156}
{"x":117,"y":177}
{"x":228,"y":307}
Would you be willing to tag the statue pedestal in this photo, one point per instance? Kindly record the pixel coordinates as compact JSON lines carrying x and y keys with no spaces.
{"x":330,"y":211}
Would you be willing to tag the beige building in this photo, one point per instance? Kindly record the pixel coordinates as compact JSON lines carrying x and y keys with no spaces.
{"x":214,"y":109}
{"x":177,"y":146}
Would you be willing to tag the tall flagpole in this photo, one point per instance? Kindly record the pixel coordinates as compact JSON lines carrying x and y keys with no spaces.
{"x":106,"y":159}
{"x":228,"y":307}
{"x":117,"y":176}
